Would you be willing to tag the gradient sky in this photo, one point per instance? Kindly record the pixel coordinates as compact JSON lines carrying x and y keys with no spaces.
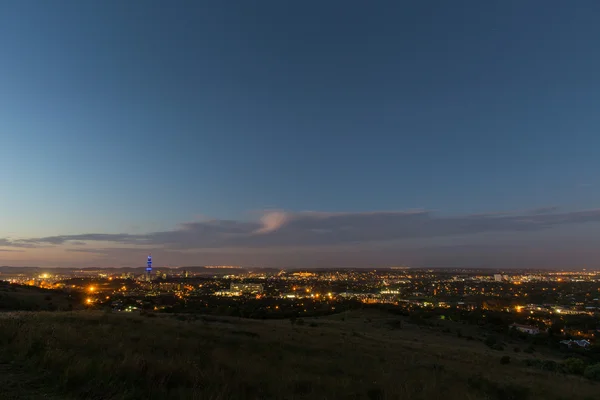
{"x":303,"y":133}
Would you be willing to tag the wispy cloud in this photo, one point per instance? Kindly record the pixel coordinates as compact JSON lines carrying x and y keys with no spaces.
{"x":7,"y":242}
{"x":272,"y":221}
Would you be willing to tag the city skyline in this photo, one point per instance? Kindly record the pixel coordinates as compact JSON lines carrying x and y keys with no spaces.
{"x":300,"y":135}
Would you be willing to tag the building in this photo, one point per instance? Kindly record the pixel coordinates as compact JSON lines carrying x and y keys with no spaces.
{"x":581,"y":343}
{"x":246,"y":288}
{"x":498,"y":278}
{"x":149,"y":268}
{"x":531,"y":330}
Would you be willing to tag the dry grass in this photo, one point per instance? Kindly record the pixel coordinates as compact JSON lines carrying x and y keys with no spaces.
{"x":92,"y":355}
{"x":16,"y":297}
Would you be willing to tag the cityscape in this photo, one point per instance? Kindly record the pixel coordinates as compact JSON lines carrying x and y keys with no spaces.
{"x":532,"y":300}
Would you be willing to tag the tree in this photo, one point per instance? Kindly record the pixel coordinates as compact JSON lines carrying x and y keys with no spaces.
{"x":575,"y":366}
{"x":592,"y":372}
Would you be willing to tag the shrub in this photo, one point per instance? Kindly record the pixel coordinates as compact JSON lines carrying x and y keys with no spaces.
{"x":534,"y":362}
{"x":574,"y":366}
{"x":505,"y":360}
{"x":529,"y":349}
{"x":592,"y":372}
{"x":549,"y":365}
{"x":517,"y":350}
{"x":497,"y":346}
{"x":490,"y":341}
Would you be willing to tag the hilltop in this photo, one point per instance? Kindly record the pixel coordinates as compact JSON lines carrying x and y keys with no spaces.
{"x":358,"y":355}
{"x":30,"y":298}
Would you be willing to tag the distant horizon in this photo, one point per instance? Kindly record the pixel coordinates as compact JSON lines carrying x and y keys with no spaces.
{"x":142,"y":268}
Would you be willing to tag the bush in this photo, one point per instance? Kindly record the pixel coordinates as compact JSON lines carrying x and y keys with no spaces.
{"x":534,"y":362}
{"x":529,"y":350}
{"x":546,"y":365}
{"x":497,"y":346}
{"x":549,"y":365}
{"x":490,"y":341}
{"x":517,"y":350}
{"x":505,"y":360}
{"x":574,"y":366}
{"x":592,"y":372}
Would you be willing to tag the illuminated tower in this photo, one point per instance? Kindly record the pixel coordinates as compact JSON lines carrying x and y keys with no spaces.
{"x":149,"y":267}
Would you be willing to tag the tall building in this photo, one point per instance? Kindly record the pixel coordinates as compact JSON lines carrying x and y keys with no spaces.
{"x":149,"y":268}
{"x":498,"y":277}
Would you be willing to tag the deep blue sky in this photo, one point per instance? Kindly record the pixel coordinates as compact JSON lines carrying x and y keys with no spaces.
{"x":136,"y":116}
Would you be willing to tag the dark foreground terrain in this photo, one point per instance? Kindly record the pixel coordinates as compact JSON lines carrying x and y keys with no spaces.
{"x":356,"y":355}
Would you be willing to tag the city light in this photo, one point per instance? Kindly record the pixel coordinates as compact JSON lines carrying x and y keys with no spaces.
{"x":531,"y":296}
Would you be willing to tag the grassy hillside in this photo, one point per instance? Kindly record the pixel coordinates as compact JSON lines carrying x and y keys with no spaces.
{"x":359,"y":355}
{"x":31,"y":298}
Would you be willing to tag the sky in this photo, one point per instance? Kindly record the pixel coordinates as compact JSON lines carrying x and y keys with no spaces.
{"x":300,"y":134}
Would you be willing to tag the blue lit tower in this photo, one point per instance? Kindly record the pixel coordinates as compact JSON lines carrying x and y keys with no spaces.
{"x":149,"y":267}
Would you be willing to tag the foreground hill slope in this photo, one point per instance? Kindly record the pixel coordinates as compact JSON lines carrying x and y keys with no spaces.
{"x":30,"y":298}
{"x":361,"y":355}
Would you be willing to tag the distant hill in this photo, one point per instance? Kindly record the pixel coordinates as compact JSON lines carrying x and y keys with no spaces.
{"x":208,"y":270}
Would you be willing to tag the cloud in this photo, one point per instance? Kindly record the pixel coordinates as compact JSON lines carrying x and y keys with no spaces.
{"x":91,"y":251}
{"x":272,"y":221}
{"x":309,"y":229}
{"x":544,"y":210}
{"x":6,"y":242}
